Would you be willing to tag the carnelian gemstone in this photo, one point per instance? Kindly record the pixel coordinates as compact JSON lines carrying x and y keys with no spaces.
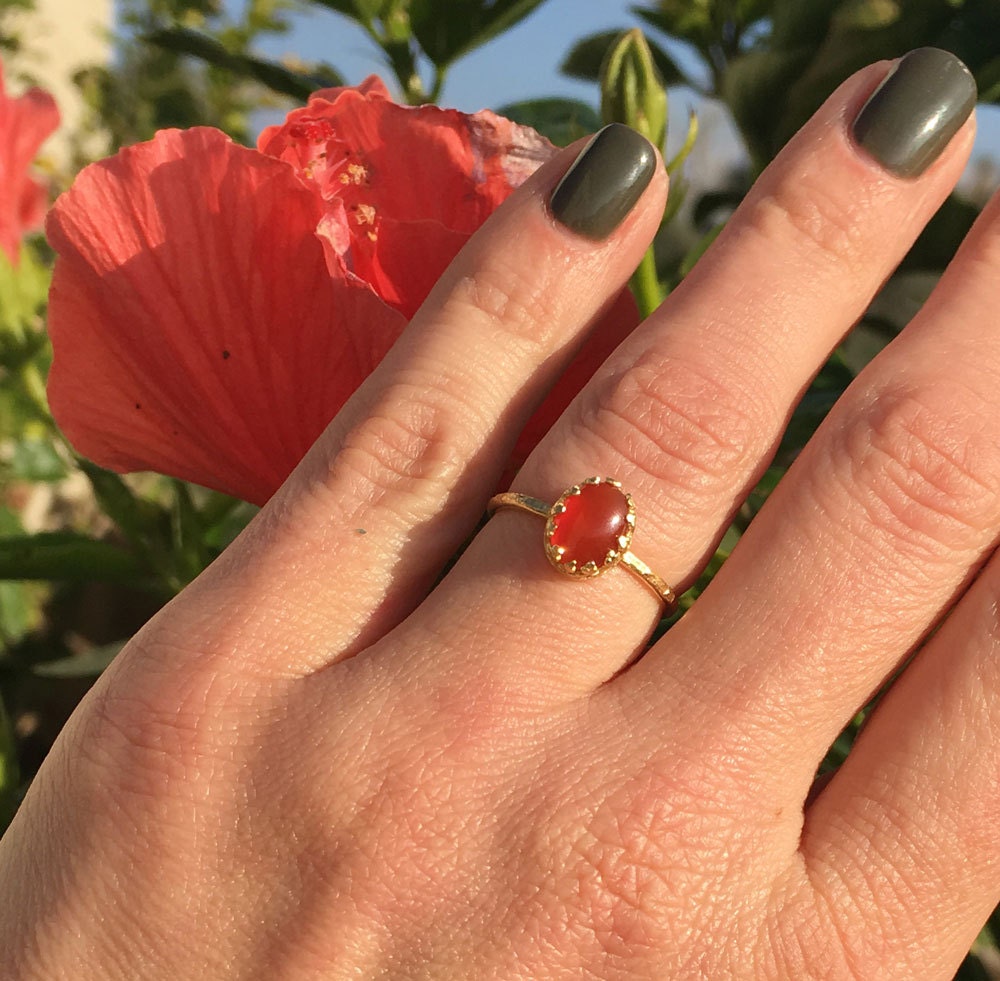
{"x":590,"y":526}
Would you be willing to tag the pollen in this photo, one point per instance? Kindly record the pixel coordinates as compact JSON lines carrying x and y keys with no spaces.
{"x":355,"y":174}
{"x":365,"y":215}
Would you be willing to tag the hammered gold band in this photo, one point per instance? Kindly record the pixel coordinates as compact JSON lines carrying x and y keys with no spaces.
{"x":618,"y":553}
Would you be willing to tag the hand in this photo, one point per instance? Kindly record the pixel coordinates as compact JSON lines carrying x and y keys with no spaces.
{"x":307,"y":767}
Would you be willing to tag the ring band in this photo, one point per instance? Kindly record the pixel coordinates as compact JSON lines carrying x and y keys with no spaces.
{"x":588,"y":531}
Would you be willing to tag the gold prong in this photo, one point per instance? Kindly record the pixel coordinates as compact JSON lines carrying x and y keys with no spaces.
{"x":590,"y":569}
{"x":558,"y":508}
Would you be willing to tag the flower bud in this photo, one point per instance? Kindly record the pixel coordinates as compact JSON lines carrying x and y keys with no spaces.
{"x":632,"y":90}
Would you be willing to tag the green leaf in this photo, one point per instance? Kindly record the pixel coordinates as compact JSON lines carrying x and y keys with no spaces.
{"x":363,"y":11}
{"x":225,"y":518}
{"x":831,"y":382}
{"x":714,"y":27}
{"x":690,"y":20}
{"x":701,"y":584}
{"x":89,"y":664}
{"x":586,"y":57}
{"x":560,"y":120}
{"x":277,"y":77}
{"x":9,"y":771}
{"x":36,"y":460}
{"x":448,"y":29}
{"x":755,"y":88}
{"x":971,"y":969}
{"x":941,"y":236}
{"x":23,"y":291}
{"x":698,"y":250}
{"x":988,"y":81}
{"x":797,"y":24}
{"x":140,"y":520}
{"x":65,"y":555}
{"x":16,"y":612}
{"x":188,"y":533}
{"x":707,"y":208}
{"x":20,"y":602}
{"x":684,"y":151}
{"x":835,"y":38}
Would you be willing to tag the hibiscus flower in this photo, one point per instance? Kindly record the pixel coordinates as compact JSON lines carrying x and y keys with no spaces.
{"x":25,"y":123}
{"x":213,"y":306}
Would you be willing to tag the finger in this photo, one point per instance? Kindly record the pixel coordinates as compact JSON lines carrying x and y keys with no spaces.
{"x":873,"y":534}
{"x":688,"y":410}
{"x":908,"y":824}
{"x":356,"y":535}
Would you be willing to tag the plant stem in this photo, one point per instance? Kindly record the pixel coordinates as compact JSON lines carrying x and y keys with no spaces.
{"x":439,"y":76}
{"x":646,"y":285}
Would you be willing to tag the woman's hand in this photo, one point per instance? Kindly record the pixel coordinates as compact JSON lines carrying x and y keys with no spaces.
{"x":307,"y":767}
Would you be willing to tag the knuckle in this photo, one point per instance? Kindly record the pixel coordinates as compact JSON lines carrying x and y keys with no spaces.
{"x":515,"y":299}
{"x":806,"y":216}
{"x":927,"y":473}
{"x":679,"y":426}
{"x":411,"y":441}
{"x":149,"y":730}
{"x":804,"y":938}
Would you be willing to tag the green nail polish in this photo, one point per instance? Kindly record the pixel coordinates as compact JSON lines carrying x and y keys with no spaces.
{"x":912,"y":116}
{"x":605,"y":182}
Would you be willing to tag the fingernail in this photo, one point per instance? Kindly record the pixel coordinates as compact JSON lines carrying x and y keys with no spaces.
{"x":605,"y":182}
{"x":912,"y":116}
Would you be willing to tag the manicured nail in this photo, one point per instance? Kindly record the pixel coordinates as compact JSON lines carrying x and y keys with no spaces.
{"x":912,"y":116}
{"x":605,"y":182}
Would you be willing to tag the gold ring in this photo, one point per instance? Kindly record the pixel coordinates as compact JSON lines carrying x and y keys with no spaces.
{"x":588,"y":531}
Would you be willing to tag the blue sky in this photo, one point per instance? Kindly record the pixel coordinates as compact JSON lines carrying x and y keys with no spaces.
{"x":524,"y":63}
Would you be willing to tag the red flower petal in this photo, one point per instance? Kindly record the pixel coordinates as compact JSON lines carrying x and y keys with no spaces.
{"x":404,"y":274}
{"x":25,"y":123}
{"x":196,"y":328}
{"x":382,"y":167}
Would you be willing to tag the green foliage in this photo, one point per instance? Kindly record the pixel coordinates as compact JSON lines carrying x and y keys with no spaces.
{"x":439,"y":31}
{"x":278,"y":78}
{"x":9,"y":771}
{"x":449,"y":29}
{"x":773,"y":88}
{"x":64,"y":555}
{"x":560,"y":120}
{"x":194,"y":65}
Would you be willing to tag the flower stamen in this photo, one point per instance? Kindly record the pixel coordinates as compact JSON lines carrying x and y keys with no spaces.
{"x":365,"y":215}
{"x":355,"y":174}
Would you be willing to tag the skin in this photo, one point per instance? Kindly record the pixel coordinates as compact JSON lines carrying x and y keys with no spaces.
{"x":306,"y":767}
